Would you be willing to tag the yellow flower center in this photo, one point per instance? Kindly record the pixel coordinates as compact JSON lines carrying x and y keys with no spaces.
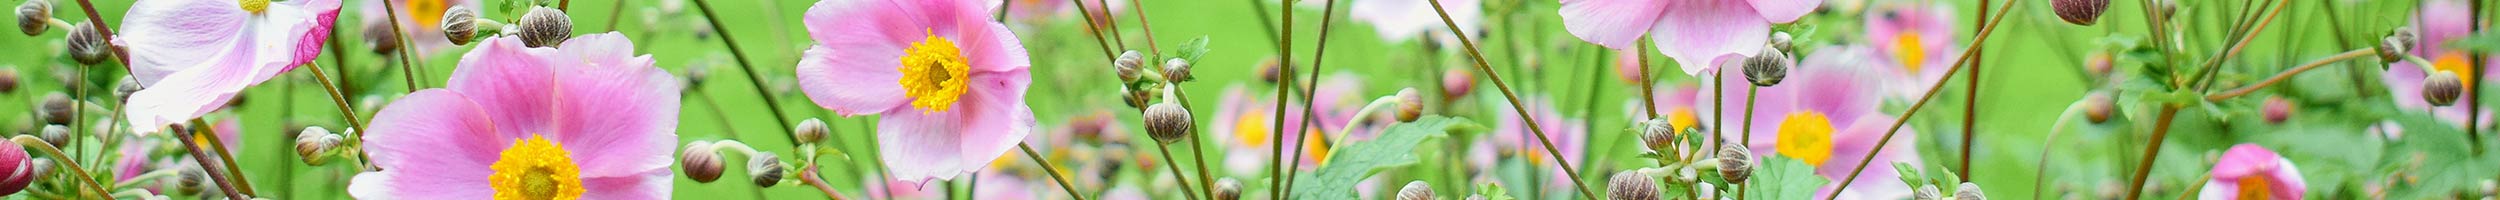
{"x":1317,"y":145}
{"x":256,"y":6}
{"x":934,"y":74}
{"x":535,"y":168}
{"x":1682,"y":118}
{"x":1909,"y":50}
{"x":1251,"y":128}
{"x":2454,"y":62}
{"x":2253,"y":187}
{"x":427,"y":13}
{"x":1806,"y":135}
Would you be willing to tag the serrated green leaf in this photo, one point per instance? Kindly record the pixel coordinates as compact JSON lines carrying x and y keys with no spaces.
{"x":1193,"y":50}
{"x":1346,"y":167}
{"x":1493,"y":192}
{"x":1909,"y":174}
{"x":1781,"y":177}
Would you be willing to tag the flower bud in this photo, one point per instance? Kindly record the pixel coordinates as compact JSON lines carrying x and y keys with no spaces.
{"x":2099,"y":64}
{"x":1129,"y":64}
{"x":34,"y":17}
{"x":699,"y":70}
{"x":459,"y":25}
{"x":811,"y":131}
{"x":378,"y":35}
{"x":1270,"y":69}
{"x":1168,"y":122}
{"x":1782,"y":41}
{"x":1227,"y":189}
{"x":86,"y":45}
{"x":314,"y":144}
{"x":8,"y":80}
{"x":2080,"y":12}
{"x":545,"y":27}
{"x":1457,"y":83}
{"x":2393,"y":47}
{"x":702,"y":162}
{"x":2442,"y":88}
{"x":1735,"y":163}
{"x":1658,"y":135}
{"x":1176,"y":70}
{"x":192,"y":181}
{"x":1631,"y":185}
{"x":128,"y":85}
{"x":2099,"y":106}
{"x":1410,"y":105}
{"x":1927,"y":192}
{"x":56,"y":108}
{"x":1138,"y":97}
{"x":16,"y":165}
{"x":765,"y":168}
{"x":2277,"y":109}
{"x":1969,"y":191}
{"x":1416,"y":190}
{"x":1767,"y":68}
{"x":56,"y":134}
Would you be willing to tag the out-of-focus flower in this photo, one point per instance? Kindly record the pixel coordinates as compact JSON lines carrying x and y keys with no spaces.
{"x":2249,"y":171}
{"x":1913,"y":42}
{"x":421,"y":20}
{"x":1399,"y":20}
{"x":948,"y":83}
{"x":2438,"y":23}
{"x":1737,"y":28}
{"x":1567,"y":135}
{"x":199,"y":54}
{"x":1827,"y":115}
{"x":589,"y":120}
{"x":1246,"y":123}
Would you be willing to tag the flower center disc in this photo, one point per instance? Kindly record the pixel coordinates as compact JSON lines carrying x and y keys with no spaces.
{"x":1807,"y":136}
{"x":1910,"y":51}
{"x":2254,"y":187}
{"x":256,"y":6}
{"x":934,"y":73}
{"x":534,"y":169}
{"x":2454,"y":62}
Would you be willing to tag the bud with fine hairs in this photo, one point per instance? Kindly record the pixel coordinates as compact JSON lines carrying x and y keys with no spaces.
{"x":56,"y":108}
{"x":1658,"y":134}
{"x":460,"y":25}
{"x":1768,"y":68}
{"x":56,"y":134}
{"x":1167,"y":122}
{"x":765,"y":168}
{"x":1783,"y":42}
{"x":1927,"y":192}
{"x":2099,"y":106}
{"x":314,"y":144}
{"x":2442,"y":88}
{"x":1410,"y":105}
{"x":2080,"y":12}
{"x":191,"y":180}
{"x":1177,"y":70}
{"x":87,"y":45}
{"x":34,"y":17}
{"x":811,"y":131}
{"x":1735,"y":163}
{"x":1631,"y":185}
{"x":1227,"y":189}
{"x":1969,"y":191}
{"x":128,"y":85}
{"x":8,"y":80}
{"x":2393,"y":47}
{"x":1416,"y":190}
{"x":1129,"y":65}
{"x":702,"y":162}
{"x":545,"y":27}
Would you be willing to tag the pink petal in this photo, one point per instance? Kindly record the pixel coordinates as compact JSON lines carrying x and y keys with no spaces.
{"x":167,"y":36}
{"x":647,"y":184}
{"x":2439,"y":22}
{"x":989,"y":120}
{"x":514,"y":82}
{"x":1839,"y":92}
{"x":1784,"y":11}
{"x":1856,"y":141}
{"x":619,"y":114}
{"x":991,"y":47}
{"x":311,"y":20}
{"x":1704,"y":32}
{"x":851,"y":70}
{"x":1615,"y":24}
{"x":441,"y":142}
{"x":203,"y":87}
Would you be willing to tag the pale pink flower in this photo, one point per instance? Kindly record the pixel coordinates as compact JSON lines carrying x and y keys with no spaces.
{"x":1913,"y":44}
{"x":421,"y":20}
{"x":1398,"y":20}
{"x":1698,"y":34}
{"x":1569,"y":136}
{"x":590,"y":118}
{"x":2439,"y":23}
{"x":197,"y":54}
{"x":947,"y":82}
{"x":1247,"y":123}
{"x":1827,"y":115}
{"x":2249,"y":171}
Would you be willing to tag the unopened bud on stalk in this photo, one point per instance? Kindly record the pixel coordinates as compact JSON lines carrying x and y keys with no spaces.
{"x":128,"y":85}
{"x":34,"y":17}
{"x":2277,"y":109}
{"x":1782,"y":41}
{"x":1270,"y":69}
{"x":191,"y":182}
{"x":1631,"y":185}
{"x":697,"y":72}
{"x":56,"y":108}
{"x":1457,"y":83}
{"x":1227,"y":189}
{"x":15,"y":167}
{"x":2396,"y":44}
{"x":702,"y":162}
{"x":765,"y":168}
{"x":314,"y":145}
{"x":1768,"y":68}
{"x":1168,"y":122}
{"x":378,"y":34}
{"x":55,"y":134}
{"x":1969,"y":191}
{"x":1658,"y":135}
{"x":2080,"y":12}
{"x":811,"y":131}
{"x":1176,"y":70}
{"x":459,"y":25}
{"x":1416,"y":190}
{"x":1927,"y":192}
{"x":42,"y":168}
{"x":2099,"y":64}
{"x":2099,"y":106}
{"x":545,"y":27}
{"x":1410,"y":105}
{"x":1138,"y":97}
{"x":1735,"y":163}
{"x":1129,"y":65}
{"x":86,"y":45}
{"x":2442,"y":88}
{"x":8,"y":80}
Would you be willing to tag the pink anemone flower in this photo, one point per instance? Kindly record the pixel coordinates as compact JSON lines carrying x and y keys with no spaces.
{"x":947,"y":82}
{"x":1248,"y":122}
{"x":1696,"y":33}
{"x":589,"y":118}
{"x":1568,"y":135}
{"x":2249,"y":171}
{"x":2439,"y":23}
{"x":1827,"y":115}
{"x":198,"y":54}
{"x":1913,"y":43}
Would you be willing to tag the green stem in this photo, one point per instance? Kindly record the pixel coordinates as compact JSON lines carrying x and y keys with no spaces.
{"x":2287,"y":74}
{"x":216,"y":144}
{"x":1958,"y":63}
{"x":83,"y":177}
{"x":1328,"y":16}
{"x":1530,"y":120}
{"x":344,"y":111}
{"x":770,"y":101}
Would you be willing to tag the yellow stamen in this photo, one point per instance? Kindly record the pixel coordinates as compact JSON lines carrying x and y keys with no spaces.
{"x":1316,"y":144}
{"x":1806,"y":135}
{"x":535,"y":168}
{"x":1250,"y":128}
{"x":934,"y":73}
{"x":1682,"y":118}
{"x":2254,"y":187}
{"x":2454,"y":62}
{"x":255,"y":6}
{"x":427,"y":13}
{"x":1909,"y":49}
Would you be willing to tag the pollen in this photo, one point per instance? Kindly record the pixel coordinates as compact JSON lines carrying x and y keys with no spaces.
{"x":1910,"y":50}
{"x":2255,"y":187}
{"x":1807,"y":136}
{"x":536,"y":168}
{"x":934,"y":74}
{"x":256,"y":6}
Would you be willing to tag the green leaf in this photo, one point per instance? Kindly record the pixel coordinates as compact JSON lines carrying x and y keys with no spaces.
{"x":2486,"y":42}
{"x":1192,"y":50}
{"x":1493,"y":192}
{"x":1909,"y":174}
{"x":1348,"y":166}
{"x":1781,"y":177}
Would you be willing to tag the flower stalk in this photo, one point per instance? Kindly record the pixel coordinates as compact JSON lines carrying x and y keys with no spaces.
{"x":224,"y":158}
{"x":1958,"y":63}
{"x":47,"y":148}
{"x":1327,"y":16}
{"x":1507,"y":94}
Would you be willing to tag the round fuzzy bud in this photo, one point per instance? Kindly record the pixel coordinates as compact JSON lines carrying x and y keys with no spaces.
{"x":2277,"y":109}
{"x":1631,"y":185}
{"x":128,"y":85}
{"x":545,"y":27}
{"x":2393,"y":47}
{"x":1270,"y":69}
{"x":1658,"y":135}
{"x":459,"y":25}
{"x":86,"y":45}
{"x":1456,"y":83}
{"x":191,"y":181}
{"x":1227,"y":189}
{"x":34,"y":17}
{"x":378,"y":35}
{"x":1969,"y":191}
{"x":701,"y":162}
{"x":1927,"y":192}
{"x":1768,"y":68}
{"x":56,"y":108}
{"x":765,"y":169}
{"x":811,"y":131}
{"x":1129,"y":64}
{"x":1416,"y":190}
{"x":1410,"y":105}
{"x":1735,"y":163}
{"x":1168,"y":122}
{"x":2442,"y":88}
{"x":2080,"y":12}
{"x":1177,"y":70}
{"x":2099,"y":106}
{"x":16,"y":169}
{"x":314,"y":143}
{"x":1782,"y":41}
{"x":8,"y":80}
{"x":56,"y":134}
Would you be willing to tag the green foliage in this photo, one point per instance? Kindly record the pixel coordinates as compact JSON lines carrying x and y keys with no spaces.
{"x":1394,"y":147}
{"x":1781,"y":177}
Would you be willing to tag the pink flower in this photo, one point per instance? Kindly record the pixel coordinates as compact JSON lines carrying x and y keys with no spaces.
{"x":1398,"y":20}
{"x":1827,"y":115}
{"x":1248,"y":123}
{"x":1568,"y":136}
{"x":1913,"y":43}
{"x":197,"y":54}
{"x":948,"y":83}
{"x":2249,"y":171}
{"x":2438,"y":23}
{"x":1696,"y":33}
{"x":421,"y":19}
{"x":590,"y":118}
